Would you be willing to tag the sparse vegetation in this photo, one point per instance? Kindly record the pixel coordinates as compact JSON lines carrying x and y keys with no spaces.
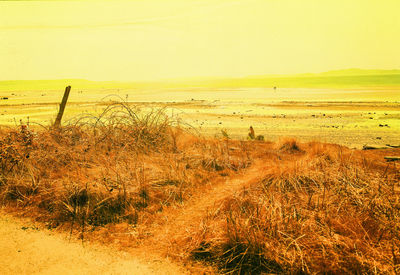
{"x":295,"y":207}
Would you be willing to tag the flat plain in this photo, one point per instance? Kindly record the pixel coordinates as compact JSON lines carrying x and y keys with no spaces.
{"x":349,"y":116}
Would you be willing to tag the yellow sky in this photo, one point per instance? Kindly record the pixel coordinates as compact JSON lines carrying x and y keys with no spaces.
{"x":157,"y":39}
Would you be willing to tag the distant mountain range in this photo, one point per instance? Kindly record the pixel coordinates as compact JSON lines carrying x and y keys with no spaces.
{"x":349,"y":78}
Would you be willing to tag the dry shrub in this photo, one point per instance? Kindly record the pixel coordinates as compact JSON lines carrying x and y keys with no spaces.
{"x":122,"y":125}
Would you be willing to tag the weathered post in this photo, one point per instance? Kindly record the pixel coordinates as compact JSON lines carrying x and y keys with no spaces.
{"x":57,"y":123}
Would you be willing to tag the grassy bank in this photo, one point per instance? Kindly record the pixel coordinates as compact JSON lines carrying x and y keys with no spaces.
{"x":239,"y":206}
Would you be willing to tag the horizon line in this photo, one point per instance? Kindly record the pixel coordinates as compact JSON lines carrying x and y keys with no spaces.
{"x":304,"y":74}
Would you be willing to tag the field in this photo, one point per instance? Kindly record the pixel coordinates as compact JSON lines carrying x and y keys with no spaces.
{"x":173,"y":173}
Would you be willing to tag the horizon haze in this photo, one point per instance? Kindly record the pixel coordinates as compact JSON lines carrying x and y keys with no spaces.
{"x":174,"y":39}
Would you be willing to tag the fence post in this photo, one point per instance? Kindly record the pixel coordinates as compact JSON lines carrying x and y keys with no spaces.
{"x":57,"y":123}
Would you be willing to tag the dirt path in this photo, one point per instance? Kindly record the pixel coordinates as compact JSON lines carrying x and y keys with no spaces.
{"x":176,"y":224}
{"x":26,"y":249}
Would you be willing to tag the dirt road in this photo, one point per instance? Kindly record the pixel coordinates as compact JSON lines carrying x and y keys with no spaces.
{"x":26,"y":249}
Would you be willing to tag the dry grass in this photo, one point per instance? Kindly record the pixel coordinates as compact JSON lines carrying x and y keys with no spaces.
{"x":331,"y":210}
{"x":316,"y":208}
{"x":123,"y":165}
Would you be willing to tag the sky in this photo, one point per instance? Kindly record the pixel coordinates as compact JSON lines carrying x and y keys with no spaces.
{"x":164,"y":39}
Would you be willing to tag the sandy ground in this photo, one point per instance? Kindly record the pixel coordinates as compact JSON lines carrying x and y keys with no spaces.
{"x":27,"y":249}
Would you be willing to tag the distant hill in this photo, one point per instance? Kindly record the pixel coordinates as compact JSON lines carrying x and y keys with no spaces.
{"x":345,"y":72}
{"x":349,"y":78}
{"x":353,"y":71}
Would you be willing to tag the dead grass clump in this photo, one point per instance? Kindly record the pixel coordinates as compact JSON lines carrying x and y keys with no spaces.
{"x":289,"y":146}
{"x":15,"y":147}
{"x":219,"y":155}
{"x":98,"y":209}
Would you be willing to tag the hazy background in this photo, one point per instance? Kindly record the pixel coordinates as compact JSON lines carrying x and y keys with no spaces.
{"x":157,"y":39}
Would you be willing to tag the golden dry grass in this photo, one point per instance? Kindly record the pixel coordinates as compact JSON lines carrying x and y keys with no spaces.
{"x":330,"y":211}
{"x":239,"y":206}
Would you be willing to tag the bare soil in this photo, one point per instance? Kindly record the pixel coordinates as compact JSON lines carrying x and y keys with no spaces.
{"x":26,"y":248}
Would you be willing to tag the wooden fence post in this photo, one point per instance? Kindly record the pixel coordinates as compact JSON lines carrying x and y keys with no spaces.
{"x":57,"y":123}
